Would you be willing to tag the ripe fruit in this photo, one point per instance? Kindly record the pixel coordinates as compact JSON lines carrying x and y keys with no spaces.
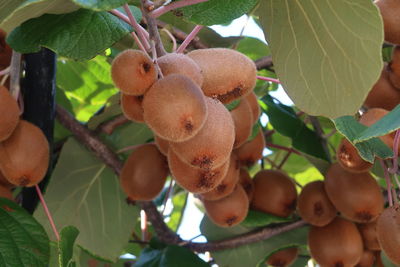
{"x":243,"y":119}
{"x":369,"y":235}
{"x":228,"y":183}
{"x":24,"y":156}
{"x":389,"y":10}
{"x":9,"y":111}
{"x":144,"y":173}
{"x":162,"y":145}
{"x":283,"y":258}
{"x":194,"y":179}
{"x":356,"y":195}
{"x":251,"y":151}
{"x":230,"y":210}
{"x":394,"y":67}
{"x":314,"y":205}
{"x":336,"y":244}
{"x":4,"y":182}
{"x":255,"y":107}
{"x":274,"y":192}
{"x":133,"y":72}
{"x":132,"y":107}
{"x":367,"y":259}
{"x":388,"y":229}
{"x":348,"y":157}
{"x":227,"y":73}
{"x":181,"y":64}
{"x":174,"y":108}
{"x":246,"y":182}
{"x":212,"y":146}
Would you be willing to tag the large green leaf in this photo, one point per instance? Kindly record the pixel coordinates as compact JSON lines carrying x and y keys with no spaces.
{"x":78,"y":35}
{"x":326,"y":53}
{"x":100,"y":5}
{"x":23,"y":240}
{"x":179,"y":201}
{"x":253,"y":48}
{"x":68,"y":236}
{"x":84,"y":193}
{"x":257,"y":219}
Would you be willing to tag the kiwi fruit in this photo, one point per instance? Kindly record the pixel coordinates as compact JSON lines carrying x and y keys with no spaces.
{"x":388,"y":231}
{"x":24,"y":156}
{"x":212,"y":145}
{"x":131,"y":106}
{"x":383,"y":94}
{"x":337,"y":244}
{"x":246,"y":182}
{"x":144,"y":173}
{"x":274,"y":193}
{"x":6,"y":192}
{"x":4,"y":182}
{"x":230,"y":210}
{"x":193,"y":179}
{"x":369,"y":235}
{"x":5,"y":51}
{"x":175,"y":108}
{"x":394,"y":67}
{"x":390,"y":14}
{"x":9,"y":111}
{"x":357,"y":196}
{"x":162,"y":145}
{"x":251,"y":151}
{"x":255,"y":107}
{"x":243,"y":119}
{"x":314,"y":205}
{"x":283,"y":258}
{"x":227,"y":73}
{"x":367,"y":259}
{"x":133,"y":72}
{"x":227,"y":184}
{"x":348,"y":157}
{"x":181,"y":64}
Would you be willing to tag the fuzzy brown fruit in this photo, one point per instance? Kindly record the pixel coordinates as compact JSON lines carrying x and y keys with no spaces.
{"x":24,"y":156}
{"x":133,"y":72}
{"x":246,"y":182}
{"x":251,"y":151}
{"x":227,"y":73}
{"x":181,"y":64}
{"x":230,"y":210}
{"x":388,"y":230}
{"x":175,"y":108}
{"x":131,"y":106}
{"x":337,"y":244}
{"x":314,"y":205}
{"x":243,"y":119}
{"x":274,"y":193}
{"x":349,"y":158}
{"x":9,"y":111}
{"x":4,"y":182}
{"x":283,"y":258}
{"x":212,"y":145}
{"x":255,"y":107}
{"x":369,"y":235}
{"x":356,"y":195}
{"x":144,"y":173}
{"x":162,"y":145}
{"x":390,"y":14}
{"x":367,"y":259}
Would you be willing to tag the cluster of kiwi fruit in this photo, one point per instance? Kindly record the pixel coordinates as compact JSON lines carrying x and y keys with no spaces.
{"x":198,"y":139}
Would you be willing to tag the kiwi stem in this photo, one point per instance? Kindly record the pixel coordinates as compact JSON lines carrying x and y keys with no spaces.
{"x":48,"y":214}
{"x":268,"y":79}
{"x":109,"y":126}
{"x":143,"y":224}
{"x":15,"y":74}
{"x":396,"y":142}
{"x":283,"y":148}
{"x":273,"y":164}
{"x":140,"y":31}
{"x":173,"y":39}
{"x":174,"y":5}
{"x":284,"y":160}
{"x":189,"y":38}
{"x":388,"y":183}
{"x":5,"y":71}
{"x":167,"y":194}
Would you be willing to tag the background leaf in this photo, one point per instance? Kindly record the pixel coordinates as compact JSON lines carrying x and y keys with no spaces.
{"x":256,"y":219}
{"x":68,"y":236}
{"x":100,"y":5}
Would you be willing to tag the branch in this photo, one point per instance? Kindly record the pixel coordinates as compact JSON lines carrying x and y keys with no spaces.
{"x":264,"y":63}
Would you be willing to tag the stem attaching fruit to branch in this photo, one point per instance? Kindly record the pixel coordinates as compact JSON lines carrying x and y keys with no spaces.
{"x":15,"y":74}
{"x":388,"y":183}
{"x":174,"y":5}
{"x":396,"y":143}
{"x":48,"y":214}
{"x":268,"y":79}
{"x":189,"y":38}
{"x":5,"y":71}
{"x":283,"y":148}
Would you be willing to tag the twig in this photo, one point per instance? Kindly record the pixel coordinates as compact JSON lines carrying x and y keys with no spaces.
{"x":318,"y":129}
{"x":388,"y":183}
{"x":15,"y":74}
{"x":189,"y":38}
{"x":5,"y":71}
{"x":48,"y":214}
{"x":128,"y":148}
{"x":167,"y":194}
{"x":153,"y":31}
{"x":268,"y":79}
{"x":108,"y":127}
{"x":284,"y":159}
{"x":264,"y":63}
{"x":273,"y":164}
{"x":143,"y":225}
{"x":173,"y":39}
{"x":174,"y":5}
{"x":137,"y":27}
{"x":283,"y":148}
{"x":396,"y":143}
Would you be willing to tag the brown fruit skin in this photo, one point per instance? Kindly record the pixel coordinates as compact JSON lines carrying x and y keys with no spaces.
{"x":24,"y":156}
{"x":251,"y":151}
{"x":227,"y":184}
{"x":243,"y":119}
{"x":230,"y":210}
{"x":213,"y":144}
{"x":227,"y":73}
{"x":314,"y":205}
{"x":367,"y":259}
{"x":283,"y":258}
{"x":182,"y":64}
{"x":369,"y":235}
{"x":9,"y":111}
{"x":389,"y":11}
{"x":5,"y":51}
{"x":131,"y":106}
{"x":348,"y":157}
{"x":394,"y":67}
{"x":383,"y":94}
{"x":162,"y":145}
{"x":144,"y":173}
{"x":175,"y":108}
{"x":274,"y":193}
{"x":4,"y":182}
{"x":388,"y":230}
{"x":255,"y":107}
{"x":356,"y":195}
{"x":247,"y":183}
{"x":6,"y":192}
{"x":133,"y":72}
{"x":336,"y":244}
{"x":195,"y":180}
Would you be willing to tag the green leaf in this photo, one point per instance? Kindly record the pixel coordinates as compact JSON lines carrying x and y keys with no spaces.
{"x":111,"y":109}
{"x":23,"y":241}
{"x":216,"y":11}
{"x":257,"y":219}
{"x":100,"y":5}
{"x":231,"y":106}
{"x":78,"y":35}
{"x":350,"y":128}
{"x":253,"y":48}
{"x":387,"y":124}
{"x":68,"y":236}
{"x":179,"y":201}
{"x":84,"y":193}
{"x":327,"y":54}
{"x":285,"y":121}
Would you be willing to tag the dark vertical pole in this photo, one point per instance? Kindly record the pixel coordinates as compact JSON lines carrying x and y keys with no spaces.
{"x":38,"y":88}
